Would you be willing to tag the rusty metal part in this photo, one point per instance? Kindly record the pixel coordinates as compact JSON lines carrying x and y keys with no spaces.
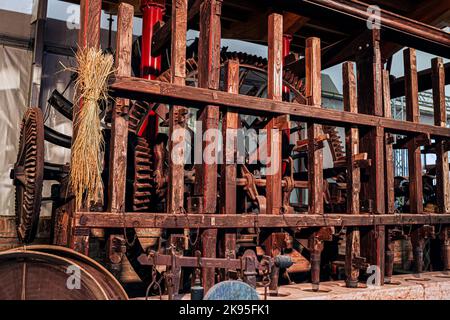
{"x":51,"y":272}
{"x":252,"y":191}
{"x":28,"y":174}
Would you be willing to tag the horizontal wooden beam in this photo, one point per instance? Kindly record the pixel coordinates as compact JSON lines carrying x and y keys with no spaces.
{"x":424,"y":81}
{"x":151,"y":90}
{"x":163,"y":220}
{"x":397,"y":28}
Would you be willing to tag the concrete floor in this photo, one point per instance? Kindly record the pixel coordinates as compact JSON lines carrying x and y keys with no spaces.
{"x":429,"y":286}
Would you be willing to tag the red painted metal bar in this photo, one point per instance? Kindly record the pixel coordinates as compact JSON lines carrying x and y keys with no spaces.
{"x":152,"y":12}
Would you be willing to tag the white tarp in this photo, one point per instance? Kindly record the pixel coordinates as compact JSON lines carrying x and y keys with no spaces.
{"x":14,"y":81}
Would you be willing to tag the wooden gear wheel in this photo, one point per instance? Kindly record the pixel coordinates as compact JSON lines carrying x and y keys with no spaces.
{"x":28,"y":174}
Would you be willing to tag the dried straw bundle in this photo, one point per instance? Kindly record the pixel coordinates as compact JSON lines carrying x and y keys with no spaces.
{"x":93,"y":71}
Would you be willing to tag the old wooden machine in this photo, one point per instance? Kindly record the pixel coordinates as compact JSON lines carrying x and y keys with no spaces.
{"x":185,"y":224}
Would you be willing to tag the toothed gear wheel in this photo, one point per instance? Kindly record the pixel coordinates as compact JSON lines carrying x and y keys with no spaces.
{"x":143,"y":180}
{"x":28,"y":175}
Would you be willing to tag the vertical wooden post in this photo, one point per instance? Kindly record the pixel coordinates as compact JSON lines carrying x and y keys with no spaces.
{"x":389,"y":150}
{"x":177,"y":119}
{"x":90,"y":13}
{"x":119,"y":134}
{"x":88,"y":36}
{"x":209,"y":77}
{"x":119,"y":124}
{"x":352,"y":243}
{"x":274,"y":92}
{"x":414,"y":154}
{"x":315,"y":155}
{"x":230,"y":123}
{"x":389,"y":179}
{"x":440,"y":119}
{"x":413,"y":114}
{"x":442,"y":169}
{"x":369,"y":74}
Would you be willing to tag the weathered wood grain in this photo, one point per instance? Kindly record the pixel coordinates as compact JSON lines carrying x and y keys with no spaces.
{"x":119,"y":122}
{"x":177,"y":118}
{"x":314,"y":96}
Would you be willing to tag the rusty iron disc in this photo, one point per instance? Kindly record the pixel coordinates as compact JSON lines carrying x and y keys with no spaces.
{"x":28,"y":175}
{"x":33,"y":275}
{"x":107,"y":281}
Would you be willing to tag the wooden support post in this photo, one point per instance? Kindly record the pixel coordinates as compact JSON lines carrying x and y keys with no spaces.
{"x":389,"y":176}
{"x":314,"y":96}
{"x":315,"y":155}
{"x":274,"y":92}
{"x":209,"y":77}
{"x":440,"y":119}
{"x":389,"y":150}
{"x":119,"y":136}
{"x":389,"y":179}
{"x":442,"y":168}
{"x":274,"y":138}
{"x":88,"y":36}
{"x":230,"y":123}
{"x":352,"y":244}
{"x":177,"y":114}
{"x":369,"y":68}
{"x":414,"y":154}
{"x":413,"y":114}
{"x":119,"y":124}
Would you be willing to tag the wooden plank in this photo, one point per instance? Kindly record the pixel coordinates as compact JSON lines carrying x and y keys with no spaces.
{"x":233,"y":220}
{"x":274,"y":92}
{"x":209,"y":77}
{"x":142,"y":89}
{"x":412,"y":114}
{"x":352,"y":243}
{"x":119,"y":124}
{"x":389,"y":150}
{"x":229,"y":124}
{"x":177,"y":119}
{"x":314,"y":96}
{"x":440,"y":119}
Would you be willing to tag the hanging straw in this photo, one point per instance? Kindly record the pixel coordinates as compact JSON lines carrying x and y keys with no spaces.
{"x":91,"y":87}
